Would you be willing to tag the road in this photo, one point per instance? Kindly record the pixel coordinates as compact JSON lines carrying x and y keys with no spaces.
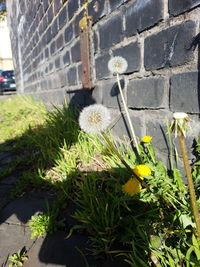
{"x":7,"y":95}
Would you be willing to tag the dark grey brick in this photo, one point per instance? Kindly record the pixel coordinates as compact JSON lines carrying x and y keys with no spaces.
{"x":54,"y":28}
{"x":52,"y":47}
{"x":145,"y":93}
{"x":97,"y":9}
{"x":62,"y":17}
{"x":62,"y":78}
{"x":36,"y":22}
{"x":41,"y":12}
{"x":111,"y":31}
{"x":95,"y":41}
{"x":46,"y":53}
{"x":41,"y":28}
{"x":101,"y":66}
{"x":76,"y":23}
{"x":52,"y":98}
{"x":57,"y":5}
{"x":32,"y":29}
{"x":36,"y":39}
{"x":50,"y":66}
{"x":75,"y":52}
{"x":43,"y":85}
{"x":97,"y":94}
{"x":113,"y":4}
{"x":184,"y":92}
{"x":121,"y":128}
{"x":50,"y":14}
{"x":143,"y":14}
{"x":110,"y":94}
{"x":45,"y":4}
{"x":72,"y":76}
{"x":131,"y":53}
{"x":45,"y":23}
{"x":57,"y":62}
{"x":157,"y":129}
{"x":72,"y":8}
{"x":49,"y":83}
{"x":41,"y":56}
{"x":22,"y":6}
{"x":66,"y":58}
{"x":81,"y":99}
{"x":177,"y":7}
{"x":169,"y":47}
{"x":44,"y":40}
{"x":69,"y":33}
{"x":48,"y":35}
{"x":33,"y":11}
{"x":59,"y":42}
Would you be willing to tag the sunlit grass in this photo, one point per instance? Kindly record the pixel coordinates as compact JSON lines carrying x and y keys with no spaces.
{"x":17,"y":114}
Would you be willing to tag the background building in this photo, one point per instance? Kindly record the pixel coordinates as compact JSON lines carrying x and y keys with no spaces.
{"x":6,"y":62}
{"x":157,"y":38}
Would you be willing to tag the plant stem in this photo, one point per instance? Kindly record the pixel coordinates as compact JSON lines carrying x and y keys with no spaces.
{"x":113,"y":148}
{"x":128,"y":116}
{"x":190,"y":183}
{"x":151,"y":153}
{"x":170,"y":147}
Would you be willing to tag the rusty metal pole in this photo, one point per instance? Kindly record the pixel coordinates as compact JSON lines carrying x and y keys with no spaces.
{"x":85,"y":26}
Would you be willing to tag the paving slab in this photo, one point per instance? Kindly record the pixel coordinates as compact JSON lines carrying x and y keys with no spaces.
{"x":13,"y":238}
{"x":55,"y":250}
{"x":6,"y":185}
{"x":14,"y":218}
{"x":22,"y":208}
{"x":7,"y":157}
{"x":4,"y":191}
{"x":9,"y":180}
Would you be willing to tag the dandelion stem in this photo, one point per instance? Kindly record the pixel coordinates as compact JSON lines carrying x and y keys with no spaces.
{"x":128,"y":116}
{"x":190,"y":183}
{"x":170,"y":146}
{"x":151,"y":153}
{"x":113,"y":148}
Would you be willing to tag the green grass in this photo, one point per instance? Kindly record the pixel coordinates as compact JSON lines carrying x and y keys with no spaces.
{"x":155,"y":225}
{"x":17,"y":115}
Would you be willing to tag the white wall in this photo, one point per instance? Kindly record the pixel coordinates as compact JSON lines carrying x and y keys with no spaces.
{"x":6,"y":62}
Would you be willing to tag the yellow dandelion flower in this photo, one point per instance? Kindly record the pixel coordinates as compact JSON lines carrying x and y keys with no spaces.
{"x":132,"y":187}
{"x":142,"y":170}
{"x":146,"y":139}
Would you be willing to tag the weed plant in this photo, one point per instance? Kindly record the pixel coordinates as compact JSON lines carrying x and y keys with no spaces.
{"x":157,"y":223}
{"x":42,"y":224}
{"x":17,"y":259}
{"x":151,"y":228}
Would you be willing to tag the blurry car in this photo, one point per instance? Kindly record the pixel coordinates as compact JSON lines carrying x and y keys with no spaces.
{"x":7,"y":81}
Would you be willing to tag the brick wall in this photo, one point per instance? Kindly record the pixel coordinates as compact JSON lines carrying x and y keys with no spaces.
{"x":153,"y":35}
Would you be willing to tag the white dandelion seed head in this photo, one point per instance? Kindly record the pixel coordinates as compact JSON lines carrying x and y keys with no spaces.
{"x":117,"y":65}
{"x":180,"y":116}
{"x":180,"y":123}
{"x":94,"y":119}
